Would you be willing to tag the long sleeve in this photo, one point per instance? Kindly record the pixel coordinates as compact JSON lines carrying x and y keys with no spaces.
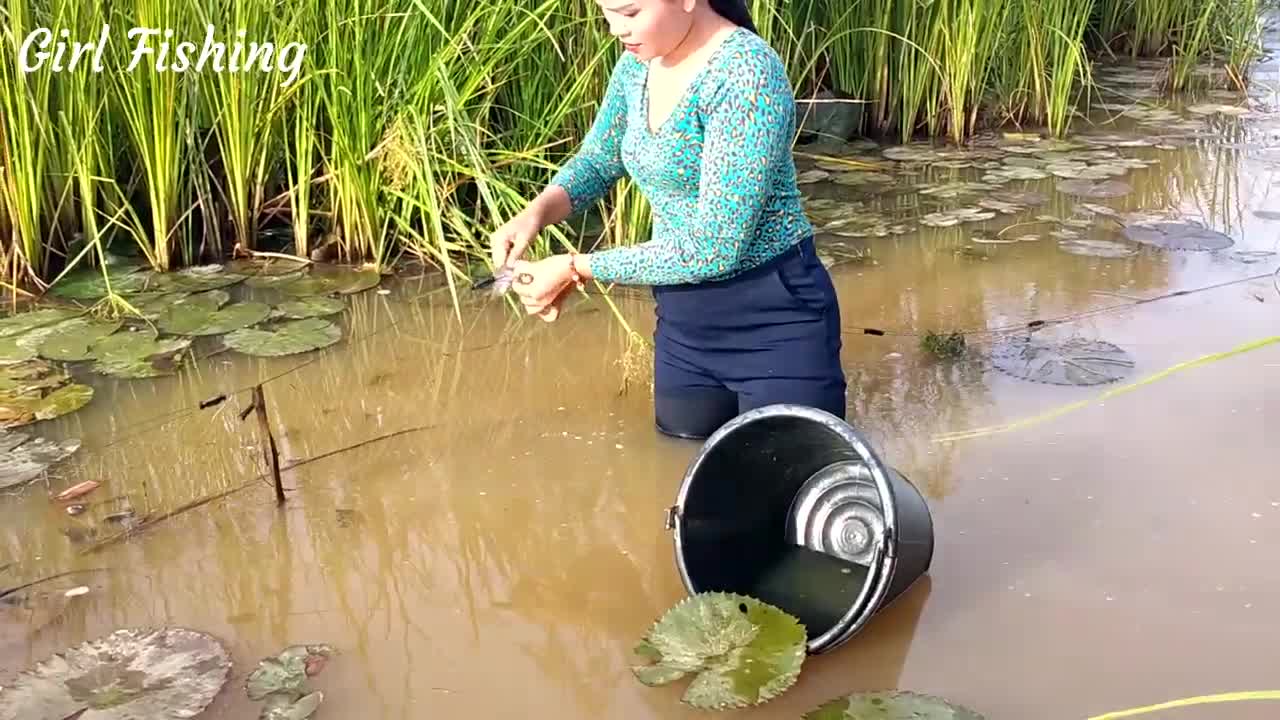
{"x":747,"y":130}
{"x":597,"y":165}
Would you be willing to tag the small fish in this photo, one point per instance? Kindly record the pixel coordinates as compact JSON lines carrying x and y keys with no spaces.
{"x":502,"y":280}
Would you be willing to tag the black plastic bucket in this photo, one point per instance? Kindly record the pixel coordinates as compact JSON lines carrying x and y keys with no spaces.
{"x":790,"y":505}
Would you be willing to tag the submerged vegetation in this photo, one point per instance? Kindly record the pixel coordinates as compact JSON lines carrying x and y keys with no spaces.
{"x":412,"y":128}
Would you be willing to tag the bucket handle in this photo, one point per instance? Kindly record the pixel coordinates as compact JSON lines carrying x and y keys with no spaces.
{"x":672,"y":515}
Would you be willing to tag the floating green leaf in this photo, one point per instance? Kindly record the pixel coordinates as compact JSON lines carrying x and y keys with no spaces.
{"x":281,"y":681}
{"x":323,"y":280}
{"x":291,"y":706}
{"x":24,"y":322}
{"x":203,"y":314}
{"x":23,"y":458}
{"x":742,"y":651}
{"x":310,"y":307}
{"x":24,"y":347}
{"x":138,"y":354}
{"x":35,"y":391}
{"x":89,"y":284}
{"x":287,"y":338}
{"x":890,"y":705}
{"x":151,"y":305}
{"x":159,"y":674}
{"x":276,"y":280}
{"x":70,"y":340}
{"x":197,"y":279}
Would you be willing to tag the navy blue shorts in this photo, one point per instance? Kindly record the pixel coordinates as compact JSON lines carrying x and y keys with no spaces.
{"x":766,"y":336}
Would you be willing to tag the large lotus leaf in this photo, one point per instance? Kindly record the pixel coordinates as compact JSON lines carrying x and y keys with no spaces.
{"x":1074,"y":361}
{"x":742,"y":651}
{"x":88,"y":283}
{"x":1178,"y":235}
{"x":203,"y":315}
{"x":70,"y":340}
{"x":895,"y":705}
{"x":23,"y":322}
{"x":23,"y":459}
{"x":131,"y":674}
{"x":197,"y":279}
{"x":296,"y":336}
{"x":1095,"y":188}
{"x":307,"y":307}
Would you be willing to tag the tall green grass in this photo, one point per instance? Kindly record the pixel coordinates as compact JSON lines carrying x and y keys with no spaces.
{"x":417,"y":126}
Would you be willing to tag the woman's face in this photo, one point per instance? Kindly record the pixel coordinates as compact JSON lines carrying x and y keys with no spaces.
{"x":647,"y":28}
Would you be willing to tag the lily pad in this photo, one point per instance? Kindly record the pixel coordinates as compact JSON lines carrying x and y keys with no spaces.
{"x":812,"y":176}
{"x":35,"y":391}
{"x":197,"y":279}
{"x":138,"y":354}
{"x":1092,"y":188}
{"x":296,"y":336}
{"x":329,"y":280}
{"x":131,"y":674}
{"x":27,"y":321}
{"x":23,"y":458}
{"x":288,"y":671}
{"x":890,"y":705}
{"x":1073,"y":361}
{"x":151,"y":305}
{"x":89,"y":284}
{"x":741,"y":651}
{"x":203,"y":315}
{"x":291,"y":706}
{"x":70,"y":340}
{"x":25,"y":347}
{"x":1097,"y":248}
{"x":310,"y":307}
{"x":1178,"y":235}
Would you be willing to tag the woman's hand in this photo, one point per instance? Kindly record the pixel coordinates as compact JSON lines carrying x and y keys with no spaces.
{"x":543,"y":285}
{"x":510,"y":241}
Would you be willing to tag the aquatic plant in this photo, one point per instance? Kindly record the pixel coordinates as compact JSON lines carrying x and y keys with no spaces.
{"x":741,"y":651}
{"x":280,"y":682}
{"x":943,"y":345}
{"x":890,"y":705}
{"x":165,"y":674}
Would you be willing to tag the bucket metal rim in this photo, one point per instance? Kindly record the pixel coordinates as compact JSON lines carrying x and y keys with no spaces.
{"x":886,"y":552}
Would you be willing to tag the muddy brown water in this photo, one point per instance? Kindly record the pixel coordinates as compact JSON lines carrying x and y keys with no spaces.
{"x":507,"y":552}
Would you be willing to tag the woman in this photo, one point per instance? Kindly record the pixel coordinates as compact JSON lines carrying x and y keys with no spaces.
{"x":699,"y":112}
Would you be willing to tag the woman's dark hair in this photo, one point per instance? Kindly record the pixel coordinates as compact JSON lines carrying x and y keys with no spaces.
{"x":736,"y":12}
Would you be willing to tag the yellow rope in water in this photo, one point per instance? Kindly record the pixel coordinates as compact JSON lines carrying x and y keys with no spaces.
{"x":1187,"y":702}
{"x":994,"y":429}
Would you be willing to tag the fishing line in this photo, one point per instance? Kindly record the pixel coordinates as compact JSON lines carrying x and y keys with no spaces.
{"x":1037,"y":324}
{"x":1043,"y":417}
{"x":1188,"y":702}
